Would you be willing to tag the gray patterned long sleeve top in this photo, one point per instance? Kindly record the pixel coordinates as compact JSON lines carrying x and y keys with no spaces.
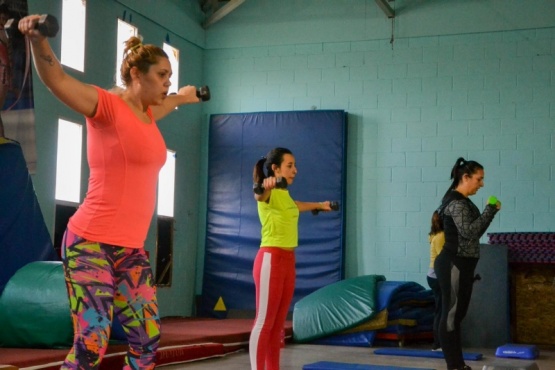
{"x":463,"y":224}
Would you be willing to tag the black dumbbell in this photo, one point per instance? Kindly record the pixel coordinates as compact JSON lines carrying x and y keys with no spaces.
{"x":334,"y":205}
{"x":281,"y":183}
{"x":203,"y":93}
{"x":47,"y":25}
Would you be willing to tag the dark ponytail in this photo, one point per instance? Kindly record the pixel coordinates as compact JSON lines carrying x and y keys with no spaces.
{"x":437,"y":224}
{"x":274,"y":156}
{"x":258,"y":172}
{"x":462,"y":167}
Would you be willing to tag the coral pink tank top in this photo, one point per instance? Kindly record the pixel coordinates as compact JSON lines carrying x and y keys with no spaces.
{"x":125,"y":156}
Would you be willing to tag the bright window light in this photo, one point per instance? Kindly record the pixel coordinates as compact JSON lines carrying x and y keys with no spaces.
{"x":68,"y":163}
{"x":125,"y":31}
{"x":173,"y":55}
{"x":166,"y":186}
{"x":73,"y":34}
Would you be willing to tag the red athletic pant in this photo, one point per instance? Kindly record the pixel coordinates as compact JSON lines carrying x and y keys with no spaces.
{"x":274,"y":278}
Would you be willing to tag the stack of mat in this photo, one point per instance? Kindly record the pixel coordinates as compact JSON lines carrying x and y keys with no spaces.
{"x":357,"y":311}
{"x":410,"y":310}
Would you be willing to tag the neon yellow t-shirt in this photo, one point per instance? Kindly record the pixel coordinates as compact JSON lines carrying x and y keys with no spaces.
{"x":280,"y":219}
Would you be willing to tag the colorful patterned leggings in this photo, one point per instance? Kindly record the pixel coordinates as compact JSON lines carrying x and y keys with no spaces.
{"x":103,"y":280}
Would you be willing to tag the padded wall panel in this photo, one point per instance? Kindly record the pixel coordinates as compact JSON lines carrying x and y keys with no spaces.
{"x":24,"y":237}
{"x":317,"y":140}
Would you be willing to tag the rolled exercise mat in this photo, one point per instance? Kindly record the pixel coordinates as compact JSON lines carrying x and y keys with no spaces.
{"x":34,"y":309}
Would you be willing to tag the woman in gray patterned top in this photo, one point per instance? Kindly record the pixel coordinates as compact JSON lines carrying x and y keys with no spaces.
{"x":455,"y":265}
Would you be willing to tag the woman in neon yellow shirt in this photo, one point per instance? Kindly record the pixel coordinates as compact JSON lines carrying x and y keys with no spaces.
{"x":274,"y":266}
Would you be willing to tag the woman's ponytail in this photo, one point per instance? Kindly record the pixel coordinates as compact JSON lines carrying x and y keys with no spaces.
{"x":258,"y":175}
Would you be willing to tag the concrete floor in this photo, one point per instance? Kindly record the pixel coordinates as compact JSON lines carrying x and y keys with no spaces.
{"x":295,"y":356}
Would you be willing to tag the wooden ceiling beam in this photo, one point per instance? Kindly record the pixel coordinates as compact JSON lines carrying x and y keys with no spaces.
{"x":222,"y":12}
{"x":386,"y":8}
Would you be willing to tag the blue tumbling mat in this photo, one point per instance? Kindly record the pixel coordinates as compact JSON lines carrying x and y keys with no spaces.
{"x":325,"y":365}
{"x":469,"y":356}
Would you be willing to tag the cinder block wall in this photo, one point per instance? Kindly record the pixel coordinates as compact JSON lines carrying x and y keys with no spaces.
{"x":414,"y":106}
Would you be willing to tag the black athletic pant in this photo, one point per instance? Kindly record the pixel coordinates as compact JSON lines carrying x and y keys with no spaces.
{"x":455,"y":276}
{"x":434,"y":285}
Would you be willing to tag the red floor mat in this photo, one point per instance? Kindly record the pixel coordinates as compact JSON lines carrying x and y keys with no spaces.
{"x":182,"y":340}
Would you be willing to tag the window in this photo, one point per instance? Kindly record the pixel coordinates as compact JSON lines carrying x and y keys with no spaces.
{"x":125,"y":31}
{"x":166,"y":186}
{"x":73,"y":34}
{"x":63,"y":214}
{"x":173,"y":55}
{"x":165,"y":222}
{"x":68,"y":162}
{"x":164,"y":251}
{"x":68,"y":176}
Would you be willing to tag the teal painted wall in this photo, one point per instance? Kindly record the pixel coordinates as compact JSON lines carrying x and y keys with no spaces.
{"x":461,"y":78}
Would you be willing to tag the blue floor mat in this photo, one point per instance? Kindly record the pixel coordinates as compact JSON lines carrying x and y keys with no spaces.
{"x":326,"y":365}
{"x":469,"y":356}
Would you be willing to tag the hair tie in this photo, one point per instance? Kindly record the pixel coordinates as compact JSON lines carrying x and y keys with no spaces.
{"x":134,"y":47}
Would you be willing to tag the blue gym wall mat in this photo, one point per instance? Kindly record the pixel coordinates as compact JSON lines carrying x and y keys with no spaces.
{"x":24,"y":237}
{"x":236,"y":141}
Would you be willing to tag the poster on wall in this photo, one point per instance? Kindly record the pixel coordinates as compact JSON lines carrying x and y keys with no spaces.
{"x":17,"y":118}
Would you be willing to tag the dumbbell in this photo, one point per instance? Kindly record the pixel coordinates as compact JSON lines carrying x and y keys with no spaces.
{"x":492,"y":200}
{"x":281,"y":183}
{"x":334,"y":205}
{"x":47,"y":25}
{"x":203,"y":93}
